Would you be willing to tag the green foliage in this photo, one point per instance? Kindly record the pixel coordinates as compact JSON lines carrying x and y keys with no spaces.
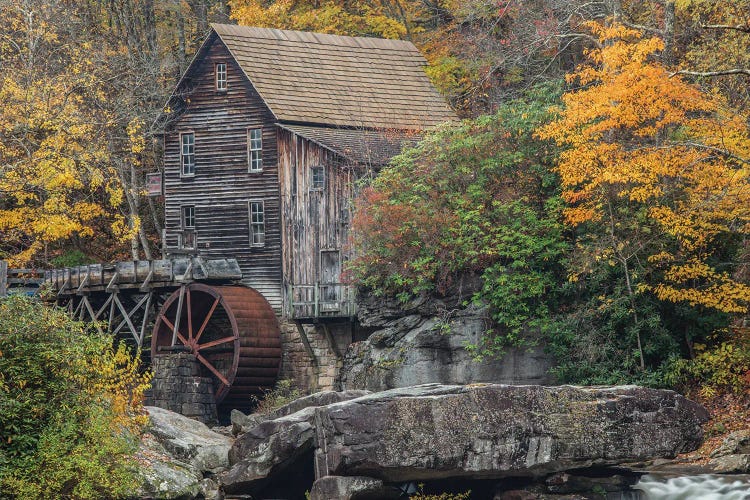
{"x":476,"y":198}
{"x":70,"y":258}
{"x":69,"y":407}
{"x":722,"y":366}
{"x":284,"y":393}
{"x":421,"y":495}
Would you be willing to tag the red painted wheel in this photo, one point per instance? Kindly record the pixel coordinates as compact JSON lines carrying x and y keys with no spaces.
{"x":231,"y":330}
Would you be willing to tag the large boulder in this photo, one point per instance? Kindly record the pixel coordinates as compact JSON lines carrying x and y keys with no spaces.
{"x":352,"y":488}
{"x":270,"y":445}
{"x":492,"y":431}
{"x":190,"y":441}
{"x":733,"y":456}
{"x":243,"y":423}
{"x":268,"y":449}
{"x":161,"y":475}
{"x":429,"y":346}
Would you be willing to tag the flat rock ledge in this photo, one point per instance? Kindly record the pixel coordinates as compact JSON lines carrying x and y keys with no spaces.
{"x":358,"y":446}
{"x":487,"y":431}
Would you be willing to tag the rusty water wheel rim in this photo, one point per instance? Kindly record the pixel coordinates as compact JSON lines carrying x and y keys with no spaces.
{"x":191,"y":334}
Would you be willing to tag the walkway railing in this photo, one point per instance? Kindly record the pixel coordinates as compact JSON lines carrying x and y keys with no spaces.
{"x":320,"y":300}
{"x":24,"y":281}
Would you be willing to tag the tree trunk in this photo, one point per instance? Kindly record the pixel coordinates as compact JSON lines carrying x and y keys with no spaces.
{"x":667,"y":56}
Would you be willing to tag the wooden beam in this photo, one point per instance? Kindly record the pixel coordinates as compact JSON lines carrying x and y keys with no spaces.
{"x":91,"y":313}
{"x":126,"y":317}
{"x":84,"y":282}
{"x":3,"y":278}
{"x":331,"y":341}
{"x":101,"y":309}
{"x":179,"y":313}
{"x":112,"y":286}
{"x":145,"y":320}
{"x":306,"y":343}
{"x":129,"y":315}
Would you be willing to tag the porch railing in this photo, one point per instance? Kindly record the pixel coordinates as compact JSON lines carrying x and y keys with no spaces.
{"x":320,"y":300}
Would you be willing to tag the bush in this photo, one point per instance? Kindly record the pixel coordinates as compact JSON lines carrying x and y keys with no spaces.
{"x":284,"y":392}
{"x":722,"y":367}
{"x":70,"y":406}
{"x":477,"y":198}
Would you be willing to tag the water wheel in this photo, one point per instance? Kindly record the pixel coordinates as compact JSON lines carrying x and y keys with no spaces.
{"x":231,"y":330}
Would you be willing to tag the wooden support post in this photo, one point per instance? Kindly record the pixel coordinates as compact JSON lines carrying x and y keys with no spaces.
{"x":3,"y":278}
{"x":178,"y":315}
{"x":145,"y":319}
{"x":112,"y":285}
{"x":331,"y":341}
{"x":91,"y":313}
{"x":316,"y":295}
{"x":124,"y":313}
{"x":101,"y":309}
{"x":130,"y":316}
{"x":84,"y":281}
{"x":306,"y":343}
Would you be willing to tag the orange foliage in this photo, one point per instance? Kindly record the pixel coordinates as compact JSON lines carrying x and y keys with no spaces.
{"x":639,"y":136}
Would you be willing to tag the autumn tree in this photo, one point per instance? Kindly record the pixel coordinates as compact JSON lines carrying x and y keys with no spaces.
{"x":659,"y":170}
{"x":55,"y":175}
{"x":472,"y":201}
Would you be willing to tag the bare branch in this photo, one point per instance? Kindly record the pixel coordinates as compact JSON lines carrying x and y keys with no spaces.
{"x":724,"y":72}
{"x":641,"y":27}
{"x":720,"y":151}
{"x":744,"y":28}
{"x":581,"y":35}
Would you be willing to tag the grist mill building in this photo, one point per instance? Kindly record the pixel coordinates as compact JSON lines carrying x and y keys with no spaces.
{"x":264,"y":138}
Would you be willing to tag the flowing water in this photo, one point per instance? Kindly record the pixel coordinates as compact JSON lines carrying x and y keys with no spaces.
{"x":702,"y":487}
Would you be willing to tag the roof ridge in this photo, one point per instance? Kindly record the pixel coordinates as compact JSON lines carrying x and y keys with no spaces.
{"x":364,"y":42}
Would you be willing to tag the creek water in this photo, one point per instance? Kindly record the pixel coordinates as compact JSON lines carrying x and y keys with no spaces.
{"x":701,"y":487}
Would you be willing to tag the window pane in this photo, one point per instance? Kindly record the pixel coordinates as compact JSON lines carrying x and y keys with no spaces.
{"x":188,"y":216}
{"x":254,"y":150}
{"x":187,"y":153}
{"x":221,"y":76}
{"x":318,"y":178}
{"x":257,"y":223}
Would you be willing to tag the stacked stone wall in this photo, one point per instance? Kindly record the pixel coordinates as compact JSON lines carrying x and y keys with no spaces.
{"x":320,"y":373}
{"x":178,"y":386}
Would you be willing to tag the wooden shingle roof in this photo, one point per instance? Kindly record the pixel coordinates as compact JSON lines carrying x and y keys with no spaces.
{"x":369,"y":147}
{"x":337,"y":80}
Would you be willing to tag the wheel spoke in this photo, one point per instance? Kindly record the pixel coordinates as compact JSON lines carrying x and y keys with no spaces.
{"x":212,"y":369}
{"x":189,"y":315}
{"x":208,"y":317}
{"x":216,"y":342}
{"x":171,"y":327}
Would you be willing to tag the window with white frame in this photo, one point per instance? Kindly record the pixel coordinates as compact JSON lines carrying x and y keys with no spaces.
{"x":254,"y":150}
{"x":187,"y":153}
{"x":221,"y":76}
{"x":257,"y":224}
{"x":318,"y":178}
{"x":187,"y":216}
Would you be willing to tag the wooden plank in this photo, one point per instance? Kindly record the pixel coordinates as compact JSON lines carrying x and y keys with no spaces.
{"x":331,"y":341}
{"x":306,"y":344}
{"x":3,"y":278}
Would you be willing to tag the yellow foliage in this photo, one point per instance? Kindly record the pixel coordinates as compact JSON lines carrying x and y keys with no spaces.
{"x":637,"y":135}
{"x":56,"y":177}
{"x":364,"y":18}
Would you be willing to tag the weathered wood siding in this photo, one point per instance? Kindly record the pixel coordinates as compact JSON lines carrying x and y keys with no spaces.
{"x":222,"y":187}
{"x":312,"y":220}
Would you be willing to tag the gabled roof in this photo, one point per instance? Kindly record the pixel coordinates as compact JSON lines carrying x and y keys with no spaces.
{"x":337,"y":80}
{"x":371,"y":147}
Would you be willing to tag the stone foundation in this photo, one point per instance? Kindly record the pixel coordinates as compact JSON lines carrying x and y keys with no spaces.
{"x":179,"y":387}
{"x":320,"y":371}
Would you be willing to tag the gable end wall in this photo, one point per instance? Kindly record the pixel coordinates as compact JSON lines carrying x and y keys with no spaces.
{"x":222,"y":186}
